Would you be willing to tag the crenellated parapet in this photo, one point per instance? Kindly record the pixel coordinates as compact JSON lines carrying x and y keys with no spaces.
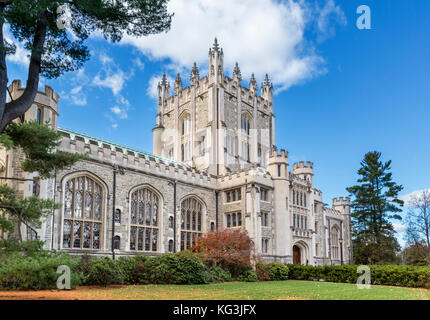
{"x":278,"y":157}
{"x":131,"y":159}
{"x":342,"y":204}
{"x":47,"y":98}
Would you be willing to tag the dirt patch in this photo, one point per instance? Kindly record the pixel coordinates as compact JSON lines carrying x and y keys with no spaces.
{"x":84,"y":293}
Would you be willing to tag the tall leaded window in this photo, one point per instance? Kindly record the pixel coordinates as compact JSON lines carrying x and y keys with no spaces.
{"x":246,"y":130}
{"x":191,"y":222}
{"x":144,"y":230}
{"x":334,"y":235}
{"x":83,"y":214}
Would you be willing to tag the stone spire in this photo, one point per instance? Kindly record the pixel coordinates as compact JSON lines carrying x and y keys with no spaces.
{"x":237,"y":76}
{"x":195,"y":77}
{"x":178,"y":84}
{"x":216,"y":61}
{"x":253,"y":84}
{"x":267,"y":90}
{"x":163,"y":88}
{"x":266,"y":83}
{"x":164,"y":80}
{"x":215,"y":45}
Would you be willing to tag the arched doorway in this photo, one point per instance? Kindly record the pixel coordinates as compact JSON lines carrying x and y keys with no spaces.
{"x":296,"y":255}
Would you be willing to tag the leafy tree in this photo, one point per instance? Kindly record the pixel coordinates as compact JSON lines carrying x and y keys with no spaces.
{"x":54,"y":49}
{"x":374,"y":206}
{"x":231,"y":249}
{"x":416,"y":254}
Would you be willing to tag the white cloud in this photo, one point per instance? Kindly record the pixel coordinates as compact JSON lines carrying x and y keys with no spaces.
{"x":139,"y":64}
{"x":264,"y":36}
{"x":407,"y":197}
{"x":120,"y":112}
{"x":77,"y":94}
{"x":111,"y":76}
{"x":21,"y":55}
{"x":398,"y":227}
{"x":80,"y":100}
{"x":328,"y":15}
{"x":113,"y":81}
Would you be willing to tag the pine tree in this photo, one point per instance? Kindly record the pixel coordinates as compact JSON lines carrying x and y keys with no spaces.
{"x":374,"y":207}
{"x":56,"y":40}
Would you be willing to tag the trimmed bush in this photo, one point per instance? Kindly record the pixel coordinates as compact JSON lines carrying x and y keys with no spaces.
{"x":277,"y":271}
{"x":405,"y":276}
{"x":104,"y":271}
{"x":248,"y":276}
{"x":38,"y":272}
{"x":178,"y":268}
{"x":30,"y":248}
{"x":218,"y":274}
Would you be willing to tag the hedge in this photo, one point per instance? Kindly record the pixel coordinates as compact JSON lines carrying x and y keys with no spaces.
{"x":404,"y":276}
{"x":37,"y":272}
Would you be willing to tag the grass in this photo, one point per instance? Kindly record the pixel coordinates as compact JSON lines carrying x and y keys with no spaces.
{"x":280,"y":290}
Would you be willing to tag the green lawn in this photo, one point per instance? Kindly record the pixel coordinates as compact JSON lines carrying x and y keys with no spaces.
{"x":256,"y":291}
{"x":280,"y":290}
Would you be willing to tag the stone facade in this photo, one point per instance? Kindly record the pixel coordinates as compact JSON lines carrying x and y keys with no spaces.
{"x":214,"y":165}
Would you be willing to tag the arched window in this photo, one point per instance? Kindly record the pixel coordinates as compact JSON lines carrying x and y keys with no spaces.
{"x":170,"y":245}
{"x":171,"y":222}
{"x":144,"y":234}
{"x":116,"y":242}
{"x":246,"y":143}
{"x":191,"y":222}
{"x":117,"y":216}
{"x":83,"y":214}
{"x":334,"y":241}
{"x":185,"y":124}
{"x":246,"y":123}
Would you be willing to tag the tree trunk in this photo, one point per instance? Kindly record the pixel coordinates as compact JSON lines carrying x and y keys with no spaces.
{"x":18,"y":107}
{"x":3,"y":68}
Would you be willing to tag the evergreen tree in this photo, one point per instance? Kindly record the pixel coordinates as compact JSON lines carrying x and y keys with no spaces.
{"x":56,"y":41}
{"x":38,"y":143}
{"x":374,"y":206}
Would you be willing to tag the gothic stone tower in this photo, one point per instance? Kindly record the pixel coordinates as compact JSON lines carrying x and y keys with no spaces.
{"x":215,"y":124}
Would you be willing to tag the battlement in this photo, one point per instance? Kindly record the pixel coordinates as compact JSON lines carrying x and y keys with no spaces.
{"x":47,"y":97}
{"x":341,"y":201}
{"x":105,"y":151}
{"x":252,"y":174}
{"x":303,"y":165}
{"x":282,"y":154}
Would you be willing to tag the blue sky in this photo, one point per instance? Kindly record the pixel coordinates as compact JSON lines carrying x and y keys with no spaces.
{"x":341,"y":91}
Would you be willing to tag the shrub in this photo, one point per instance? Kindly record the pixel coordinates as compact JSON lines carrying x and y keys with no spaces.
{"x":37,"y":272}
{"x":230,"y":249}
{"x":405,"y":276}
{"x":178,"y":268}
{"x":12,"y":246}
{"x":277,"y":271}
{"x":218,"y":274}
{"x":140,"y":270}
{"x":104,"y":271}
{"x":261,"y":272}
{"x":248,"y":276}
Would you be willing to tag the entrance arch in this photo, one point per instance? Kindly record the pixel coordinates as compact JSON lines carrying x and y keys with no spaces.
{"x":297,"y":256}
